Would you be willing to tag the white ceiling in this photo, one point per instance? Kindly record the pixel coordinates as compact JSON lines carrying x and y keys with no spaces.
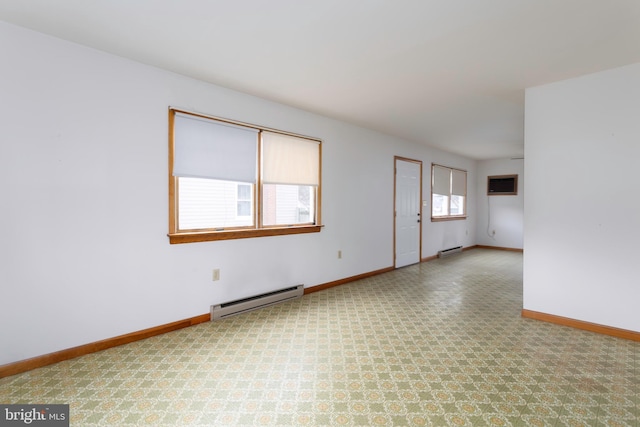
{"x":445,"y":73}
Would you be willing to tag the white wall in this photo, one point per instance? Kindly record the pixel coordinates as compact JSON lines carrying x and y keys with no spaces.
{"x":84,"y":249}
{"x":582,"y":210}
{"x":504,"y":214}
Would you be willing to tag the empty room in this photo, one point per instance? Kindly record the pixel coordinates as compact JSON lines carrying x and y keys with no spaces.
{"x":320,"y":213}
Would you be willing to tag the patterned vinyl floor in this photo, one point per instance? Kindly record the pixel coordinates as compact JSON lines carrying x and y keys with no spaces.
{"x":439,"y":343}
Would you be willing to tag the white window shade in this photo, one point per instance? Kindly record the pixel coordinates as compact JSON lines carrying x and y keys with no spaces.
{"x":290,"y":160}
{"x":441,"y":180}
{"x":458,"y":182}
{"x":205,"y":148}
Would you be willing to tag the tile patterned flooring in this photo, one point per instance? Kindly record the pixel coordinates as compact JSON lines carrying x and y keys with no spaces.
{"x":436,"y":344}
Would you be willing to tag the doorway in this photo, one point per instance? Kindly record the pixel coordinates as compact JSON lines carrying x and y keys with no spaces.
{"x":407,"y":212}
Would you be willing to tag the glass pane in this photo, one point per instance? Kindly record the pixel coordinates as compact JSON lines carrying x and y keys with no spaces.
{"x":288,"y":204}
{"x":457,"y":205}
{"x":440,"y":205}
{"x":212,"y":204}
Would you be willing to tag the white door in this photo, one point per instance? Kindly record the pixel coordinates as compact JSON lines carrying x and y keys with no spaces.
{"x":407,"y":212}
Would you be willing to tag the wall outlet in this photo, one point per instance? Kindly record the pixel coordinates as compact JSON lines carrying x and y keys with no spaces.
{"x":339,"y":254}
{"x":216,"y":274}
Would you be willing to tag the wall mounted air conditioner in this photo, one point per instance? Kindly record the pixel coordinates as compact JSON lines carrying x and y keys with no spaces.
{"x":502,"y":185}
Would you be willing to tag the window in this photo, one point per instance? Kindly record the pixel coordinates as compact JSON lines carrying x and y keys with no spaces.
{"x":448,"y":193}
{"x":230,"y":180}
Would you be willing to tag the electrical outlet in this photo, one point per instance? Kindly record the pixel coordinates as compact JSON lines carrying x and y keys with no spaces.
{"x":216,"y":274}
{"x":339,"y":254}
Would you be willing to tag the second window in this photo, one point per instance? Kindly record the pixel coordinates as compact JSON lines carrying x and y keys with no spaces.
{"x":448,"y":193}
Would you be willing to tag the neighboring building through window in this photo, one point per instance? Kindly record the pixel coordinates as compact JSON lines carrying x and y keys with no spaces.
{"x":230,"y":180}
{"x":448,"y":193}
{"x":244,"y":202}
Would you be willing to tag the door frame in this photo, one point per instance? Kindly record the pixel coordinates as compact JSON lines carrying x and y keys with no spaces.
{"x":395,"y":183}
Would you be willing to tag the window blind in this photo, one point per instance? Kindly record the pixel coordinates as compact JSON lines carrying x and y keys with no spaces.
{"x":205,"y":148}
{"x":441,"y":180}
{"x":290,"y":160}
{"x":458,"y":183}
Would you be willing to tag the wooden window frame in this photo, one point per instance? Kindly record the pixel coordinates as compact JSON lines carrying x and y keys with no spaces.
{"x":177,"y":236}
{"x":449,"y":217}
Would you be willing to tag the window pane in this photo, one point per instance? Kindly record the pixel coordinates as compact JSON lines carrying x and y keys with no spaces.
{"x":440,"y":205}
{"x":288,"y":204}
{"x":210,"y":203}
{"x":457,"y":205}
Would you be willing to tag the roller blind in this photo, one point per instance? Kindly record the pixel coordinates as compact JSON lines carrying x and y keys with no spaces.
{"x":458,"y":182}
{"x":205,"y":148}
{"x":441,"y":180}
{"x":290,"y":160}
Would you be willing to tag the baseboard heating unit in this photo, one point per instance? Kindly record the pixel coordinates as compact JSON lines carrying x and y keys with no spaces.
{"x":244,"y":305}
{"x":446,"y":252}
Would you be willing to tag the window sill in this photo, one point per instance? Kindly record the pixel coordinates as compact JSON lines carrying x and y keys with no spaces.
{"x":208,"y":236}
{"x":448,"y":218}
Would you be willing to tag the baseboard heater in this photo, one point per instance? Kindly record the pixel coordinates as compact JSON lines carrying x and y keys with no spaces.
{"x":244,"y":305}
{"x":446,"y":252}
